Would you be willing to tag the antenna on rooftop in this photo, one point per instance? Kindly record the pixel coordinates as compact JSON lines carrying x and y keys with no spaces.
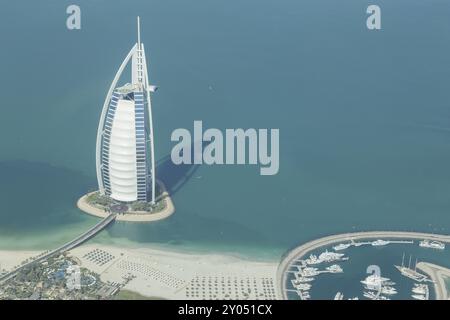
{"x":139,"y":32}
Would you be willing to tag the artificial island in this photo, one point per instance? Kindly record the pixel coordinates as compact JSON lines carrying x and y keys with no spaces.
{"x":125,"y":156}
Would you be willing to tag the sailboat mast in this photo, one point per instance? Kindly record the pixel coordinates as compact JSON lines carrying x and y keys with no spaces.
{"x":409,"y":264}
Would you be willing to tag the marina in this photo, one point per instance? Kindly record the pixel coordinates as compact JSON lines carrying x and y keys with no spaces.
{"x":307,"y":271}
{"x":312,"y":264}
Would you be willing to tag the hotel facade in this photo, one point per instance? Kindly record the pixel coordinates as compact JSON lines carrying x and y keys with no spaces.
{"x":125,"y":158}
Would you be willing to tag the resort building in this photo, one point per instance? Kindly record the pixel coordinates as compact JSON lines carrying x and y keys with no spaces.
{"x":125,"y":158}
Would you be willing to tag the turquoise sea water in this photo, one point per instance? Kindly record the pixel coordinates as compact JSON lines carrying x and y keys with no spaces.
{"x":364,"y":118}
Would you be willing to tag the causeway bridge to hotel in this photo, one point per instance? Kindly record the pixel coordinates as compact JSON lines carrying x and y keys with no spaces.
{"x":65,"y":247}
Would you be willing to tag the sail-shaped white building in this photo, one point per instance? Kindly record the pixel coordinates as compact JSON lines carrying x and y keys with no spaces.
{"x":125,"y":157}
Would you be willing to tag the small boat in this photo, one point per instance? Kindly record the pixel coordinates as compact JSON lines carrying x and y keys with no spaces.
{"x":341,"y":246}
{"x":373,"y":296}
{"x":313,"y":260}
{"x":303,"y":286}
{"x":328,"y":256}
{"x":303,"y":279}
{"x":335,"y":268}
{"x":432,"y":244}
{"x":374,"y":282}
{"x":379,"y":242}
{"x":309,"y":272}
{"x":388,"y":290}
{"x":356,"y":244}
{"x":420,"y":288}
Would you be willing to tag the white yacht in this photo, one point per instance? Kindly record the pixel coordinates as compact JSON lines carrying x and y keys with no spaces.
{"x":341,"y":246}
{"x":313,"y":259}
{"x":374,"y":282}
{"x":330,"y":256}
{"x":374,"y":296}
{"x":301,"y":279}
{"x":380,"y":242}
{"x":432,"y":244}
{"x":420,"y":288}
{"x":303,"y":286}
{"x":418,"y":296}
{"x":356,"y":244}
{"x":370,"y":295}
{"x":388,"y":290}
{"x":309,"y":272}
{"x":335,"y":268}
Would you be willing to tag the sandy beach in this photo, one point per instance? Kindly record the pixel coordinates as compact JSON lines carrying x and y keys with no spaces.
{"x":10,"y":259}
{"x":159,"y":273}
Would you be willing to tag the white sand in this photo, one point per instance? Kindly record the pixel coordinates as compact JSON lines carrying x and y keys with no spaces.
{"x":171,"y":275}
{"x":174,"y":275}
{"x":10,"y":259}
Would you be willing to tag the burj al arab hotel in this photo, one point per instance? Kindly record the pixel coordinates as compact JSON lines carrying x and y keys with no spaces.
{"x":125,"y":157}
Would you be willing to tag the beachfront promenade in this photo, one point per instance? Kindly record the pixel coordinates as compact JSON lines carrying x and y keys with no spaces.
{"x":65,"y":247}
{"x":304,"y":249}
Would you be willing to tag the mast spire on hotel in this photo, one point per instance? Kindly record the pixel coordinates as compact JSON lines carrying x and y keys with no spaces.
{"x":125,"y":158}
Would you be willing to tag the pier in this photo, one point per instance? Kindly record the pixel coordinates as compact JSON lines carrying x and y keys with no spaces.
{"x":402,"y":241}
{"x":437,"y":275}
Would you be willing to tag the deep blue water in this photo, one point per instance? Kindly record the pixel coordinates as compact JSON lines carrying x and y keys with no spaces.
{"x":364,"y":118}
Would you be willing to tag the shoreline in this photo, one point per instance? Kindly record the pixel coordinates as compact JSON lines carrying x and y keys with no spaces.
{"x":9,"y":259}
{"x":170,"y":273}
{"x":242,"y":253}
{"x":167,"y":274}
